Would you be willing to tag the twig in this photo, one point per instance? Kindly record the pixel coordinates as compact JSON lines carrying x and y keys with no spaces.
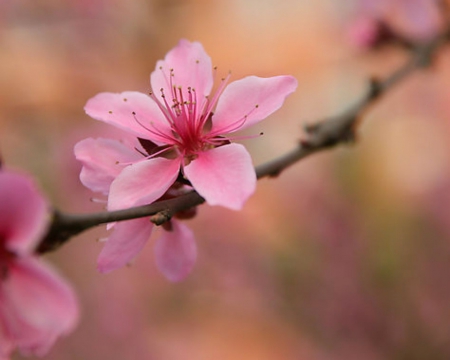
{"x":322,"y":135}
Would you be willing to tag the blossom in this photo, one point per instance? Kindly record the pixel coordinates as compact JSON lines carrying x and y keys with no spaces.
{"x":378,"y":21}
{"x":180,"y":131}
{"x":416,"y":19}
{"x":175,"y":249}
{"x":187,"y":127}
{"x":36,"y":304}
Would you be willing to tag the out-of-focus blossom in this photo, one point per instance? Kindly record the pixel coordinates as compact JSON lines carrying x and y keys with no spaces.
{"x":181,"y":130}
{"x":379,"y":21}
{"x":36,"y":304}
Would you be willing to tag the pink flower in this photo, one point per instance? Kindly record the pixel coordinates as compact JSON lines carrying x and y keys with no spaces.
{"x":180,"y":129}
{"x":380,"y":21}
{"x":188,"y":126}
{"x":36,"y":305}
{"x":175,"y":250}
{"x":416,"y":19}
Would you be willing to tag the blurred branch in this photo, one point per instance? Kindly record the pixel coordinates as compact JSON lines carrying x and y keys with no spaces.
{"x":332,"y":131}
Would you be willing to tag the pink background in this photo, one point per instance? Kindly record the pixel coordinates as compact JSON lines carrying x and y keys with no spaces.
{"x":346,"y":255}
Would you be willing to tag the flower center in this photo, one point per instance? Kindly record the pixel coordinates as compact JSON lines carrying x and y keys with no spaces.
{"x":189,"y":115}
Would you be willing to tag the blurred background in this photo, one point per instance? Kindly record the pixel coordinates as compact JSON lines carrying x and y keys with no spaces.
{"x":346,"y":255}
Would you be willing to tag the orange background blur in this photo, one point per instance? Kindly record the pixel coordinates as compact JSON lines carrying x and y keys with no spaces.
{"x":345,"y":256}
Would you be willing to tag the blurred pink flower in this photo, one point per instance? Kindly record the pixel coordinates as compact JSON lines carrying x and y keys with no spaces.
{"x":175,"y":250}
{"x":36,"y":305}
{"x":382,"y":20}
{"x":185,"y":126}
{"x":417,"y":19}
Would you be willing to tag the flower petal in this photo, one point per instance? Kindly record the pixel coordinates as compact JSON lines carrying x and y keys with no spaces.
{"x":142,"y":183}
{"x":24,"y":212}
{"x":186,"y":65}
{"x":5,"y":340}
{"x":223,"y":176}
{"x":247,"y":101}
{"x":131,"y":111}
{"x":103,"y":160}
{"x":176,"y":252}
{"x":37,"y":305}
{"x":126,"y":241}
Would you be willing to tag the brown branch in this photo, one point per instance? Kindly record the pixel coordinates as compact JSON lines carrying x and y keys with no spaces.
{"x":322,"y":135}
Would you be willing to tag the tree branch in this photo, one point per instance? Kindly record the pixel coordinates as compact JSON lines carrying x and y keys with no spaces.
{"x":339,"y":129}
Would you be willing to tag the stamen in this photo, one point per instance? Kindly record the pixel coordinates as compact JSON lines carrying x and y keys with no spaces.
{"x":165,"y":111}
{"x":235,"y":125}
{"x":183,"y":106}
{"x":193,"y":97}
{"x":210,"y":104}
{"x":167,"y":80}
{"x":155,"y":130}
{"x":140,"y":152}
{"x":217,"y":141}
{"x":170,"y":118}
{"x":156,"y":154}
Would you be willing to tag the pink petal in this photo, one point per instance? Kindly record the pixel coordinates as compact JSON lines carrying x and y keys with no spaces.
{"x":191,"y":66}
{"x":247,"y":101}
{"x":131,"y":111}
{"x":37,"y":305}
{"x":24,"y":212}
{"x":7,"y":345}
{"x":142,"y":183}
{"x":176,"y":252}
{"x":127,"y":240}
{"x":103,"y":160}
{"x":223,"y":176}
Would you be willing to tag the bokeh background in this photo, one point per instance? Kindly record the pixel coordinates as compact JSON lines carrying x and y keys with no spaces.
{"x":346,"y":255}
